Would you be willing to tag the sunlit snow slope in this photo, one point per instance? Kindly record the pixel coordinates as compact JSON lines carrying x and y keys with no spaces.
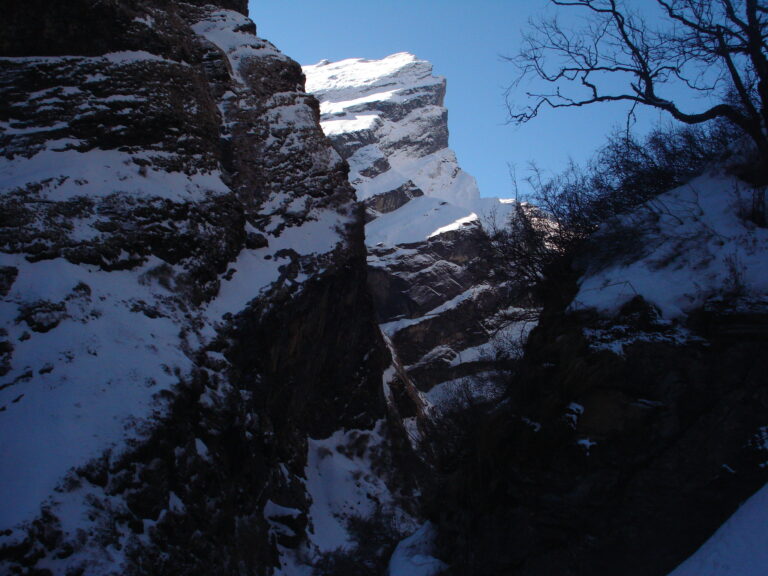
{"x":387,"y":119}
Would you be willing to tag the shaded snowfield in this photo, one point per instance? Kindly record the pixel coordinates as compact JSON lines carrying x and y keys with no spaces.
{"x":695,"y":245}
{"x":83,"y":385}
{"x":738,"y":548}
{"x":346,"y":483}
{"x":413,"y":555}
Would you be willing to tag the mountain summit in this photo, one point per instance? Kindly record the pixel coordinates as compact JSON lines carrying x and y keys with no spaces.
{"x":387,"y":119}
{"x":445,"y":313}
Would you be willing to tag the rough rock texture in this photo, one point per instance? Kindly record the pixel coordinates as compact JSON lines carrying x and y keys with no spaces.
{"x":86,"y":28}
{"x":391,"y":201}
{"x":386,"y":117}
{"x":445,"y":314}
{"x":635,"y":424}
{"x":184,"y":305}
{"x":602,"y":458}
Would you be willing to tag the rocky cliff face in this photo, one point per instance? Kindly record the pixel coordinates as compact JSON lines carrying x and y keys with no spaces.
{"x":195,"y":379}
{"x":442,"y":309}
{"x":634,"y":423}
{"x":386,"y":117}
{"x":634,"y":426}
{"x":184,"y":308}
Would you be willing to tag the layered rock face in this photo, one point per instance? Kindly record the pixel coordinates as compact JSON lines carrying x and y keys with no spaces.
{"x":635,"y":421}
{"x":184,"y":307}
{"x":444,"y":313}
{"x":386,"y":117}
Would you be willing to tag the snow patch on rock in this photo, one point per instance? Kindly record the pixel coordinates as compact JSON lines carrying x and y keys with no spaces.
{"x":414,"y":555}
{"x":696,"y":245}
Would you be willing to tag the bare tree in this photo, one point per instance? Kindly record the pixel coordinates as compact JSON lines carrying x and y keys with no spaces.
{"x":716,"y":49}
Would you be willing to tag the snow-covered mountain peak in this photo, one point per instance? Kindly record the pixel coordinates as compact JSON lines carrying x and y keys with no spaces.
{"x":390,"y":77}
{"x":438,"y":303}
{"x":386,"y":118}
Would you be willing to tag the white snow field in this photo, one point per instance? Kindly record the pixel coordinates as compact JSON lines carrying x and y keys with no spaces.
{"x":697,"y":243}
{"x":738,"y":548}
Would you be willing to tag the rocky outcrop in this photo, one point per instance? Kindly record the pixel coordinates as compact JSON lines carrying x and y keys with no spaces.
{"x":390,"y":107}
{"x":185,"y":315}
{"x":85,"y":28}
{"x":446,"y":313}
{"x":443,"y":310}
{"x":391,"y":201}
{"x":636,"y":418}
{"x":602,"y":457}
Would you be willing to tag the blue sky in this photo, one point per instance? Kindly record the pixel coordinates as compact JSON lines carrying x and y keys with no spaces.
{"x":464,"y":40}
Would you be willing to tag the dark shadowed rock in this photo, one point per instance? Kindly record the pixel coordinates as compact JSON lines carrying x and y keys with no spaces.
{"x":600,"y":456}
{"x":7,"y":277}
{"x":392,"y":200}
{"x":168,"y":175}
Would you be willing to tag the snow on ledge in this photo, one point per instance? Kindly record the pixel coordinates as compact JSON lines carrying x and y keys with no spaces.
{"x":697,"y":245}
{"x":454,"y":225}
{"x":347,"y":125}
{"x":413,"y":556}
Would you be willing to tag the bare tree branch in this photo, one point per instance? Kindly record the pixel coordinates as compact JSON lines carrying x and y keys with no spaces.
{"x":715,"y":48}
